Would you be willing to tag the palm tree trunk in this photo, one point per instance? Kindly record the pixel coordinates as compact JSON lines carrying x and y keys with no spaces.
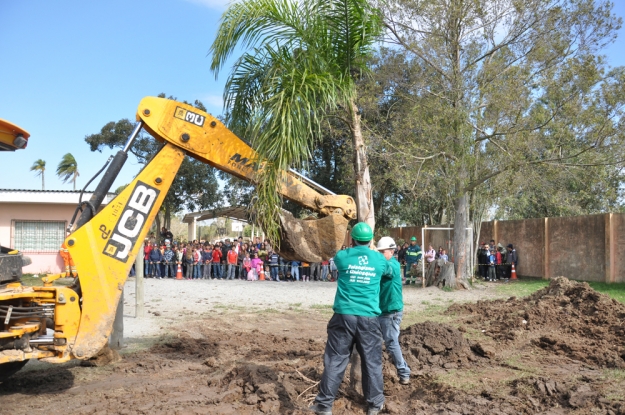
{"x":364,"y":194}
{"x":43,"y":183}
{"x":74,"y":182}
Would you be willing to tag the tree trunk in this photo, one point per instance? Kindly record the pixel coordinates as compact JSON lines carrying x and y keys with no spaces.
{"x":363,"y":191}
{"x":461,"y":244}
{"x":167,"y":216}
{"x":442,"y":274}
{"x":43,"y":183}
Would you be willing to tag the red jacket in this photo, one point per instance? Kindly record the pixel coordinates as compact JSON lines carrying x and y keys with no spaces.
{"x":232,"y":257}
{"x":216,"y":255}
{"x":146,"y":252}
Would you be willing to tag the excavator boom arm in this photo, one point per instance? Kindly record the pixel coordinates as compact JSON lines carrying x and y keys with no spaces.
{"x":105,"y":247}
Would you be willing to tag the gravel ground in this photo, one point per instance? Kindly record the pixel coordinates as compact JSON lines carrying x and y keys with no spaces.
{"x":169,"y":301}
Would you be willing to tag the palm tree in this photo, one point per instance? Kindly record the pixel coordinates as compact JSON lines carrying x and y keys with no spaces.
{"x":68,"y":169}
{"x":40,"y":167}
{"x":300,"y":65}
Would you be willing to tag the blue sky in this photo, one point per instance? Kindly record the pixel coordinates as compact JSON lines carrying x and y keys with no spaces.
{"x":68,"y":67}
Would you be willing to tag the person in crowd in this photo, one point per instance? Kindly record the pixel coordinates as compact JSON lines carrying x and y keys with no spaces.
{"x":502,"y":270}
{"x":197,"y":262}
{"x":247,"y":266}
{"x":207,"y":258}
{"x":283,"y":267}
{"x":256,"y":266}
{"x":262,"y":253}
{"x":401,"y":255}
{"x":295,"y":269}
{"x":355,"y":323}
{"x":274,"y":264}
{"x":152,"y":239}
{"x":305,"y":272}
{"x":155,"y":260}
{"x":512,"y":259}
{"x":147,"y":247}
{"x":492,"y":261}
{"x":430,"y":255}
{"x":444,"y":256}
{"x":241,"y":273}
{"x":315,"y":271}
{"x":498,"y":264}
{"x":216,"y":262}
{"x":392,"y":309}
{"x":169,"y":261}
{"x":439,"y":252}
{"x":233,"y":259}
{"x":413,"y":256}
{"x":333,"y":270}
{"x":225,"y":248}
{"x":325,"y":265}
{"x":188,"y":260}
{"x":166,"y":234}
{"x":179,"y":258}
{"x":482,"y":261}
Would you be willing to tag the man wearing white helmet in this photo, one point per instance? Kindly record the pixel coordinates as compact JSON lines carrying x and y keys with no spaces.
{"x":392,"y":307}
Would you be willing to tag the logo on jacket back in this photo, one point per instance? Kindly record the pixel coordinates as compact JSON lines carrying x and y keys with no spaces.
{"x":131,"y":221}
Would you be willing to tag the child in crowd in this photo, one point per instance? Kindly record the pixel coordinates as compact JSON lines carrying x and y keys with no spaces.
{"x":207,"y":256}
{"x":188,"y":260}
{"x":247,"y":267}
{"x":444,"y":256}
{"x":197,"y":263}
{"x":216,"y":262}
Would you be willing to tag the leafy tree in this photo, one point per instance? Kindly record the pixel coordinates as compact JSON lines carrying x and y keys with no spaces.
{"x":195,"y":186}
{"x":68,"y":169}
{"x":500,"y":87}
{"x":300,"y":66}
{"x":39,"y":166}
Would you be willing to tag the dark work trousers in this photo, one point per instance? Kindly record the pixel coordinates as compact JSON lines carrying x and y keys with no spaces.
{"x":345,"y":331}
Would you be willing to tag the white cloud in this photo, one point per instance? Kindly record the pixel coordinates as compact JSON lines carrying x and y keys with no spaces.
{"x":212,"y":4}
{"x":212,"y":100}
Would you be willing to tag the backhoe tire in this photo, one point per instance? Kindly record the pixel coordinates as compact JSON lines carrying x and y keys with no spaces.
{"x":9,"y":369}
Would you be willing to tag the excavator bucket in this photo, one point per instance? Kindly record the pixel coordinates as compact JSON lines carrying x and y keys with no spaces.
{"x":311,"y":240}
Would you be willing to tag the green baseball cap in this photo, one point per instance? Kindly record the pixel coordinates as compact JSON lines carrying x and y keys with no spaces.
{"x":413,"y":239}
{"x":362,"y":232}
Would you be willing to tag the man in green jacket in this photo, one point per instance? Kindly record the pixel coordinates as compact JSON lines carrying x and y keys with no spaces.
{"x":413,"y":256}
{"x":392,"y":307}
{"x":355,"y":322}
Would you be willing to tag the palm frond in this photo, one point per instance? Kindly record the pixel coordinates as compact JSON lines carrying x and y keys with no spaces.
{"x":67,"y":168}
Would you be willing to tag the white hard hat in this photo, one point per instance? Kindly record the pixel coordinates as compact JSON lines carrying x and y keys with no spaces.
{"x":386,"y":242}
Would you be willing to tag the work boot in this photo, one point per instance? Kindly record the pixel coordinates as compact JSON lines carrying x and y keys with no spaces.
{"x":319,"y":411}
{"x":375,"y":411}
{"x":404,"y":381}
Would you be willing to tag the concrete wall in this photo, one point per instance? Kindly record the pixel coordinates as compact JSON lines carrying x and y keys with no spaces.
{"x":528,"y":238}
{"x":586,"y":248}
{"x":576,"y":247}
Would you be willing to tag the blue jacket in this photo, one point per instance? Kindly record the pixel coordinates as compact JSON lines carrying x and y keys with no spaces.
{"x":168,"y":255}
{"x":155,"y":255}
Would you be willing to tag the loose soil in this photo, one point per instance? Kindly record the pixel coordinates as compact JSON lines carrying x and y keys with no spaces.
{"x":559,"y":351}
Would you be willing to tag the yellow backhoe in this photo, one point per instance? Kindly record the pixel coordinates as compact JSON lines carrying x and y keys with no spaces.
{"x":58,"y":323}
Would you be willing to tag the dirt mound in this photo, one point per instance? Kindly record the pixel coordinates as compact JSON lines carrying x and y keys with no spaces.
{"x":431,"y":345}
{"x":566,"y":318}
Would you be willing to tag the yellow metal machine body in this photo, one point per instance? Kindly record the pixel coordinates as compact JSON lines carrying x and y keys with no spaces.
{"x":105,"y":247}
{"x":12,"y":137}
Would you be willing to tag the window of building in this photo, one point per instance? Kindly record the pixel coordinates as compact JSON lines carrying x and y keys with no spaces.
{"x":38,"y":236}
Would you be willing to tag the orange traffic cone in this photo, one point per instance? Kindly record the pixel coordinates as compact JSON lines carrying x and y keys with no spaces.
{"x":179,"y":273}
{"x":261,"y":275}
{"x":513,"y":273}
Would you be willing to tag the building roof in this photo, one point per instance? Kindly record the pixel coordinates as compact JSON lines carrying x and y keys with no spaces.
{"x":232,"y":212}
{"x":69,"y":197}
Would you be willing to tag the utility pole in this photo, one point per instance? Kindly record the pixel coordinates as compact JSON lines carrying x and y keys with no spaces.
{"x":117,"y":336}
{"x":139,"y":311}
